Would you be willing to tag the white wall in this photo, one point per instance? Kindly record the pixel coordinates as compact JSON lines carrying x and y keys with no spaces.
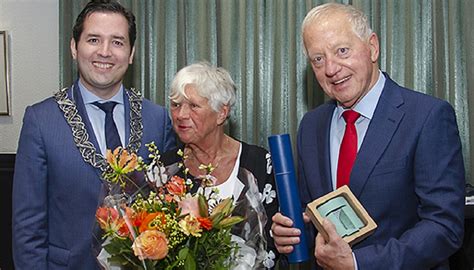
{"x":33,"y":27}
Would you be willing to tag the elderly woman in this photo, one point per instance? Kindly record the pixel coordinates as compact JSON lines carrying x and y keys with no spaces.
{"x":201,"y":99}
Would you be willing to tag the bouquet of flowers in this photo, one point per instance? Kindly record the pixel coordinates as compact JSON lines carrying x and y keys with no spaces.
{"x":167,"y":227}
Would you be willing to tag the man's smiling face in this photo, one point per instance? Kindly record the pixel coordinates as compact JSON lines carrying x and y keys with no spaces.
{"x":103,"y":53}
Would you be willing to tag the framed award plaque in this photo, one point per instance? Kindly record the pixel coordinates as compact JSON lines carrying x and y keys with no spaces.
{"x":342,"y":208}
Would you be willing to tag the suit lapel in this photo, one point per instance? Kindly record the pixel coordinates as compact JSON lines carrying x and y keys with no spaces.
{"x":384,"y":123}
{"x":324,"y":125}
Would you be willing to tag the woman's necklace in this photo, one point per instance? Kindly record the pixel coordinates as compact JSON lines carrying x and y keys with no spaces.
{"x":219,"y":154}
{"x":213,"y":161}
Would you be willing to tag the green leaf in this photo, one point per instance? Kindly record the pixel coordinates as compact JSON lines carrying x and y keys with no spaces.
{"x":183,"y":253}
{"x":216,"y":219}
{"x":190,"y":263}
{"x":224,"y":207}
{"x":203,"y":206}
{"x":229,"y":222}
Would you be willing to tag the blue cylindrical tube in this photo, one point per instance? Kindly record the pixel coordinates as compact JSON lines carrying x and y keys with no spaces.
{"x":287,"y":190}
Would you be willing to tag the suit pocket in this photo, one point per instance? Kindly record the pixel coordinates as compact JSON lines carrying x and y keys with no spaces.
{"x":388,"y":166}
{"x":57,"y":255}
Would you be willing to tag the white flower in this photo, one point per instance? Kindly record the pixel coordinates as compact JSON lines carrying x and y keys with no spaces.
{"x":189,"y":181}
{"x":269,"y":261}
{"x":156,"y":174}
{"x":268,"y":194}
{"x":269,"y":163}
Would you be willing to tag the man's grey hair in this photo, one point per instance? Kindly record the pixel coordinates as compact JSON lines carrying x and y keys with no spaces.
{"x":357,"y":18}
{"x":213,"y":83}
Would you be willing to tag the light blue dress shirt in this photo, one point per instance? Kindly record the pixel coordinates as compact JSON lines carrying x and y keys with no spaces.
{"x":97,"y":116}
{"x":366,"y":108}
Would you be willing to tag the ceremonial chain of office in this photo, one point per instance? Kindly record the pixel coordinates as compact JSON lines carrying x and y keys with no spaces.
{"x":81,"y":136}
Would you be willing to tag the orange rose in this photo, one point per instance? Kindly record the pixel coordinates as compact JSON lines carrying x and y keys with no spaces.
{"x":176,"y":186}
{"x":168,"y":198}
{"x":151,"y":244}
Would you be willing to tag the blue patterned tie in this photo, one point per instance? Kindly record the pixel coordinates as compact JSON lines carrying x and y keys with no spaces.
{"x":112,"y":137}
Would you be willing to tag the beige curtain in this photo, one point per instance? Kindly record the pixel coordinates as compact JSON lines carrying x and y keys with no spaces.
{"x":426,"y":45}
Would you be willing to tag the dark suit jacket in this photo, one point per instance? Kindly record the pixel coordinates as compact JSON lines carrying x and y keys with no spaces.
{"x":409,"y":176}
{"x":56,"y":193}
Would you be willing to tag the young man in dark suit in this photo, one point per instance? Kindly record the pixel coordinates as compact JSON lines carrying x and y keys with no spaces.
{"x":57,"y":182}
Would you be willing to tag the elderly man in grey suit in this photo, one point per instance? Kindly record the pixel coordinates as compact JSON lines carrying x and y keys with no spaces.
{"x":57,"y":185}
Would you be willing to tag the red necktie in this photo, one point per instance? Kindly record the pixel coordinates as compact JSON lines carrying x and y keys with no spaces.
{"x":348,"y":150}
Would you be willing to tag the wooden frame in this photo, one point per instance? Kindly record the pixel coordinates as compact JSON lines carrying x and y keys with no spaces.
{"x":4,"y":75}
{"x":368,"y":223}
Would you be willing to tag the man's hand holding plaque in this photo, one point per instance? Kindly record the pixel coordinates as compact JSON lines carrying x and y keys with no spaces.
{"x":341,"y":222}
{"x":333,"y":252}
{"x":348,"y":217}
